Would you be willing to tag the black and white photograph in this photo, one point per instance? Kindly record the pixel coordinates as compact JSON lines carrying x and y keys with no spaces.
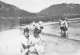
{"x":39,"y":27}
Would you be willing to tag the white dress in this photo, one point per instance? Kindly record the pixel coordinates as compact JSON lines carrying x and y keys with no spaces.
{"x":33,"y":40}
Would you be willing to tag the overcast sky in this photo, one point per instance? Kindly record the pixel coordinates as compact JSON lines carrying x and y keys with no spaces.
{"x":37,"y":5}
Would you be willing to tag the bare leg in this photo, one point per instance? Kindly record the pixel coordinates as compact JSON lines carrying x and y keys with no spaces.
{"x":61,"y":32}
{"x":66,"y":34}
{"x":37,"y":50}
{"x":25,"y":51}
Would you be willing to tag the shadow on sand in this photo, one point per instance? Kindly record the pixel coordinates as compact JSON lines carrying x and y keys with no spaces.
{"x":66,"y":38}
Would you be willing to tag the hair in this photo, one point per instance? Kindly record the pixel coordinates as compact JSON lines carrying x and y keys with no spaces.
{"x":37,"y":31}
{"x":26,"y":30}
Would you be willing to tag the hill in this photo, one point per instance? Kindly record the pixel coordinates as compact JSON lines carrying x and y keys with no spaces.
{"x":8,"y":10}
{"x":62,"y":9}
{"x":11,"y":16}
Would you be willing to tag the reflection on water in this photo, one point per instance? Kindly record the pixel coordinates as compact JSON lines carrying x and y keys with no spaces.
{"x":6,"y":24}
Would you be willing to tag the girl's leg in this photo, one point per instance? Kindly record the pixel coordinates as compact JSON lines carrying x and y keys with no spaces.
{"x":37,"y":49}
{"x":61,"y":33}
{"x":25,"y":51}
{"x":67,"y":34}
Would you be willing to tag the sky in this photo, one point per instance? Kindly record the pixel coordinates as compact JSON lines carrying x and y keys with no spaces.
{"x":37,"y":5}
